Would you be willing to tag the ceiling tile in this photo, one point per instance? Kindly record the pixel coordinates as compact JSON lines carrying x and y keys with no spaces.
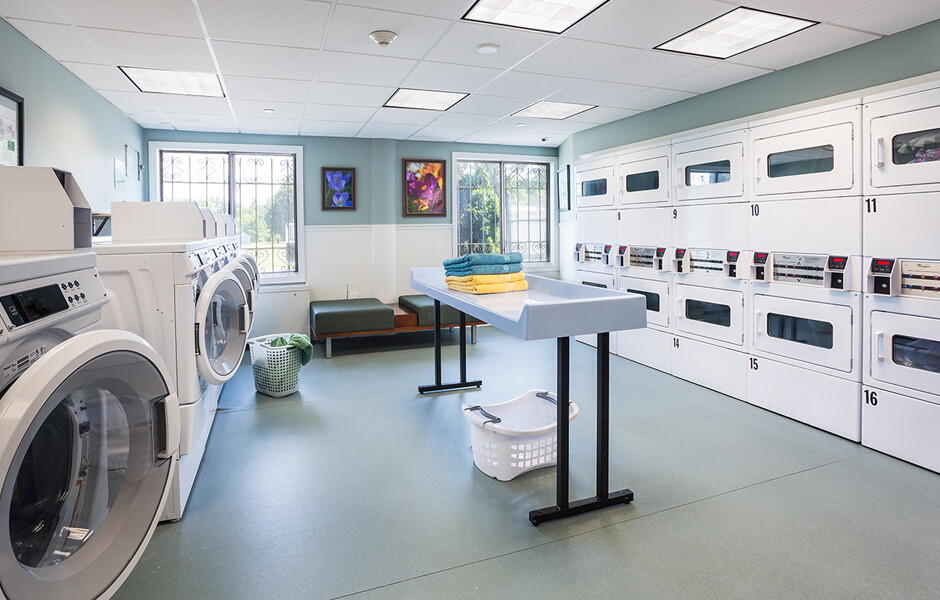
{"x":892,"y":16}
{"x":802,"y":46}
{"x":653,"y":68}
{"x":202,"y":122}
{"x":404,"y":116}
{"x":449,"y":78}
{"x":102,"y":77}
{"x":490,"y":105}
{"x":716,"y":76}
{"x":458,"y":45}
{"x":255,"y":108}
{"x":62,"y":42}
{"x":343,"y":67}
{"x":35,"y":10}
{"x":595,"y":92}
{"x":565,"y":127}
{"x":810,"y":9}
{"x":148,"y":116}
{"x":602,"y":114}
{"x":258,"y":88}
{"x":298,"y":23}
{"x":486,"y":137}
{"x":129,"y":102}
{"x":349,"y":95}
{"x":645,"y":24}
{"x":388,"y":131}
{"x":324,"y":112}
{"x":464,"y":120}
{"x":196,"y":105}
{"x":433,"y":133}
{"x":168,"y":17}
{"x":160,"y":125}
{"x":515,"y":84}
{"x":575,"y":58}
{"x":447,"y":9}
{"x":518,"y":125}
{"x":282,"y":126}
{"x":152,"y":51}
{"x":256,"y":60}
{"x":651,"y":98}
{"x":538,"y":138}
{"x":330,"y":128}
{"x":351,"y":25}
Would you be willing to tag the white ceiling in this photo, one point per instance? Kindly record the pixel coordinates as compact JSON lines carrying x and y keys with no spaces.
{"x":314,"y":64}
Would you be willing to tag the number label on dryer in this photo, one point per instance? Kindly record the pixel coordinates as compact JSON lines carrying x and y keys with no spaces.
{"x":871,"y":397}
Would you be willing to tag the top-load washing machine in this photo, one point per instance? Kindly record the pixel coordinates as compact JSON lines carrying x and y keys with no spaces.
{"x":89,"y":420}
{"x":196,"y":312}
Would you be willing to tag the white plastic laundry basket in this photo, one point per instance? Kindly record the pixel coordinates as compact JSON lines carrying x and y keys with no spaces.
{"x":276,"y":369}
{"x":514,"y":437}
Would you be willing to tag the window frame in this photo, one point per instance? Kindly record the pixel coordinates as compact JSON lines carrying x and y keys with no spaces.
{"x":530,"y":267}
{"x":155,"y":149}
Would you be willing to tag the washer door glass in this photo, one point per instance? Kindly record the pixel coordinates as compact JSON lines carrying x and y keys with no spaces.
{"x":86,"y":483}
{"x":222,"y":321}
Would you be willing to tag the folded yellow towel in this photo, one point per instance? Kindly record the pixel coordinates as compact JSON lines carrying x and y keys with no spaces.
{"x":478,"y":279}
{"x":491,"y":288}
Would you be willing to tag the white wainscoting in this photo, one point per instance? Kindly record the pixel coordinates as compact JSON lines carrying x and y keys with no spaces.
{"x":371,"y":261}
{"x":421,"y":246}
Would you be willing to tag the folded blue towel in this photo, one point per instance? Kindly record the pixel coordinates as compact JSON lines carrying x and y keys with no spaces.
{"x":484,"y":270}
{"x":483,"y":259}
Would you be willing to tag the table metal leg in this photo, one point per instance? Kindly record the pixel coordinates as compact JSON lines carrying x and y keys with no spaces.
{"x":563,"y":508}
{"x":438,"y":375}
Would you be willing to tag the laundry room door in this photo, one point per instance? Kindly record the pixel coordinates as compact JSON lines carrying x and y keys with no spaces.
{"x":88,"y":435}
{"x":222,"y":322}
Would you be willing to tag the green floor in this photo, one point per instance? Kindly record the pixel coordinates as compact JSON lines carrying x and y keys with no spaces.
{"x":358,"y":486}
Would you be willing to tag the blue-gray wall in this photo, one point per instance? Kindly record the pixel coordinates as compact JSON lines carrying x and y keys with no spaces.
{"x":378,"y":165}
{"x":906,"y":54}
{"x":67,"y":124}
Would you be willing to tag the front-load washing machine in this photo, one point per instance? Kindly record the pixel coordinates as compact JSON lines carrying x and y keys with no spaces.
{"x":89,"y":431}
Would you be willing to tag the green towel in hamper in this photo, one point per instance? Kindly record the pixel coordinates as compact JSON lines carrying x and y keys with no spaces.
{"x":298,"y":340}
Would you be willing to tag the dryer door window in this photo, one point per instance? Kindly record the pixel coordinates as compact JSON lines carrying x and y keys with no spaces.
{"x":85,"y":477}
{"x":222,"y":322}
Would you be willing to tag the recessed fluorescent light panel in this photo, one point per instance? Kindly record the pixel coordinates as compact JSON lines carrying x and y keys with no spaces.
{"x":552,"y":110}
{"x":551,"y":16}
{"x":158,"y":81}
{"x":424,"y":99}
{"x":737,"y":31}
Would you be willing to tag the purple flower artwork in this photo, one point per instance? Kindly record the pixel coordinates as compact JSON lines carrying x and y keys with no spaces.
{"x":339,"y":188}
{"x":423,"y":193}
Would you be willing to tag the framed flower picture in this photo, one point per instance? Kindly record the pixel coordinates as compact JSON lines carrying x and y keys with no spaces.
{"x":339,"y":188}
{"x":423,"y":194}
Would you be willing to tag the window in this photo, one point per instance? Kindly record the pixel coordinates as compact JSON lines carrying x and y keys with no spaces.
{"x":503,"y":207}
{"x":258,"y":186}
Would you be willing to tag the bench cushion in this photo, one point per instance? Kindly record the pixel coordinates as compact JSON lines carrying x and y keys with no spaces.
{"x":424,"y":306}
{"x":354,"y":314}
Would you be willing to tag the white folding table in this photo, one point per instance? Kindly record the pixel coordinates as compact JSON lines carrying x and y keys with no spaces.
{"x":548,"y":309}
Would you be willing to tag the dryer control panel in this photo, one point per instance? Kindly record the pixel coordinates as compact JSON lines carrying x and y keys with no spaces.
{"x":830,"y":271}
{"x":579,"y":252}
{"x":899,"y":277}
{"x":708,"y":261}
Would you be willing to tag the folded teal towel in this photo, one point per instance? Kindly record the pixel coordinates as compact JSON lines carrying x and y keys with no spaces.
{"x":483,"y":259}
{"x":298,"y":340}
{"x":484,"y":270}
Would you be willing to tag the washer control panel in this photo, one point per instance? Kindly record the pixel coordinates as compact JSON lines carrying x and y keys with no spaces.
{"x":30,"y":301}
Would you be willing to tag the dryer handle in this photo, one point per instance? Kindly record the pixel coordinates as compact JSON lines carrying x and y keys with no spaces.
{"x":759,"y":326}
{"x":880,"y":153}
{"x":680,"y":180}
{"x":171,"y":426}
{"x":880,"y":346}
{"x":758,"y":175}
{"x":680,"y":308}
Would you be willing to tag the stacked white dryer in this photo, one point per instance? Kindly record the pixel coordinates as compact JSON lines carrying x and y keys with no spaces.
{"x":173,"y":288}
{"x":709,"y":235}
{"x":806,"y":275}
{"x":901,"y":218}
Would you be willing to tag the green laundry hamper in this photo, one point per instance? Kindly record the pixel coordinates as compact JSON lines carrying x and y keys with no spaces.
{"x":276,"y":368}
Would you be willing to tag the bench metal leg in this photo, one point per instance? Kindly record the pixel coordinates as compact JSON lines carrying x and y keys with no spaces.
{"x":438,"y":375}
{"x":329,"y":347}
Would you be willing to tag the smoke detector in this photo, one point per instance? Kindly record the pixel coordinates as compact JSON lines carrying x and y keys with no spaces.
{"x":383,"y":37}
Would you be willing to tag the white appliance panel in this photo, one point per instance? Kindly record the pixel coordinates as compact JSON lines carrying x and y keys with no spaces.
{"x":644,"y":181}
{"x":818,"y":225}
{"x":905,"y":350}
{"x":814,"y":332}
{"x":902,"y":225}
{"x":710,"y":312}
{"x":649,"y":347}
{"x":645,"y":227}
{"x":902,"y":426}
{"x":714,"y":367}
{"x":711,"y":226}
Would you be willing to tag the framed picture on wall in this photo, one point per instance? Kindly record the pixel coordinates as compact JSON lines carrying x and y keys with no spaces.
{"x":339,"y":188}
{"x":11,"y":129}
{"x":423,"y":193}
{"x":564,"y":188}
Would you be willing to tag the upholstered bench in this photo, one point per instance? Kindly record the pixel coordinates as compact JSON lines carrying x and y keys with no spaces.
{"x":358,"y":317}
